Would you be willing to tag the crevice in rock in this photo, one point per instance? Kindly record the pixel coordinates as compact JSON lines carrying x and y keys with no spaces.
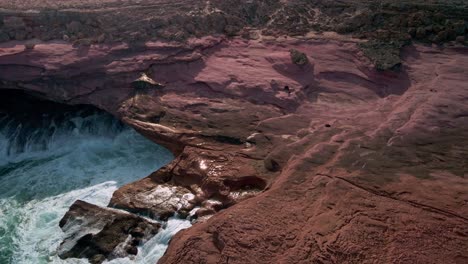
{"x":412,"y":203}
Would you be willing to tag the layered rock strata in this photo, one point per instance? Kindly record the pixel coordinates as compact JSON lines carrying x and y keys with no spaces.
{"x":332,"y":161}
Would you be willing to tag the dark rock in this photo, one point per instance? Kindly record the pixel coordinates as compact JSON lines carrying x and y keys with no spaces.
{"x":298,"y":58}
{"x":96,"y":259}
{"x":163,"y":214}
{"x":138,"y":232}
{"x":271,"y":164}
{"x":98,"y":233}
{"x":132,"y":250}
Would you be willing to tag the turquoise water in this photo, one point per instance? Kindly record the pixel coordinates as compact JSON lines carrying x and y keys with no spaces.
{"x":46,"y":167}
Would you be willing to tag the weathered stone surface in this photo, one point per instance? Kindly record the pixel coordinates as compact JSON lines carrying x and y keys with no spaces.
{"x":197,"y":178}
{"x":347,"y":164}
{"x":98,"y":233}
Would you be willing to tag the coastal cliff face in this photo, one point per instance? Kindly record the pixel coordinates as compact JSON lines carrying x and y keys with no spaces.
{"x":325,"y":160}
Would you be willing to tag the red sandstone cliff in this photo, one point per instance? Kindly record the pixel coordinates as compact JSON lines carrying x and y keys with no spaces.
{"x":329,"y":162}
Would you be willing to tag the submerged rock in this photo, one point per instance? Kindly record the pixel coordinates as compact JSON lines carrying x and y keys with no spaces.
{"x":98,"y":233}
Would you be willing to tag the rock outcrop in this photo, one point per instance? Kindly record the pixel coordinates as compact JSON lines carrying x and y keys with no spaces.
{"x":98,"y":233}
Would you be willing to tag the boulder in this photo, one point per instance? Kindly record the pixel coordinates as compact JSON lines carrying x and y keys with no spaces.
{"x":159,"y":201}
{"x":298,"y":58}
{"x":98,"y":233}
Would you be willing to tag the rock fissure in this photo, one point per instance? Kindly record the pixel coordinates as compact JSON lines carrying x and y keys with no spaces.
{"x":413,"y":203}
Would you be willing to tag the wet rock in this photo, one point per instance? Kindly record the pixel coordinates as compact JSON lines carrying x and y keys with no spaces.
{"x":271,"y":165}
{"x":189,"y":181}
{"x":161,"y":201}
{"x":98,"y":233}
{"x":99,"y":258}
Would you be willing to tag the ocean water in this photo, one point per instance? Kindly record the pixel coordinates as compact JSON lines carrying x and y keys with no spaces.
{"x":48,"y":163}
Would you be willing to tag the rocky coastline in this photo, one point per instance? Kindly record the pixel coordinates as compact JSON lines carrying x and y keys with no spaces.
{"x":289,"y":149}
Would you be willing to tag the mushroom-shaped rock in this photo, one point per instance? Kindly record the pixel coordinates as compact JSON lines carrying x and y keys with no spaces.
{"x":145,"y":82}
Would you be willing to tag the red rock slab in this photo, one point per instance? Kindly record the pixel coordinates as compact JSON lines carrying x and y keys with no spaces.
{"x":361,"y":166}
